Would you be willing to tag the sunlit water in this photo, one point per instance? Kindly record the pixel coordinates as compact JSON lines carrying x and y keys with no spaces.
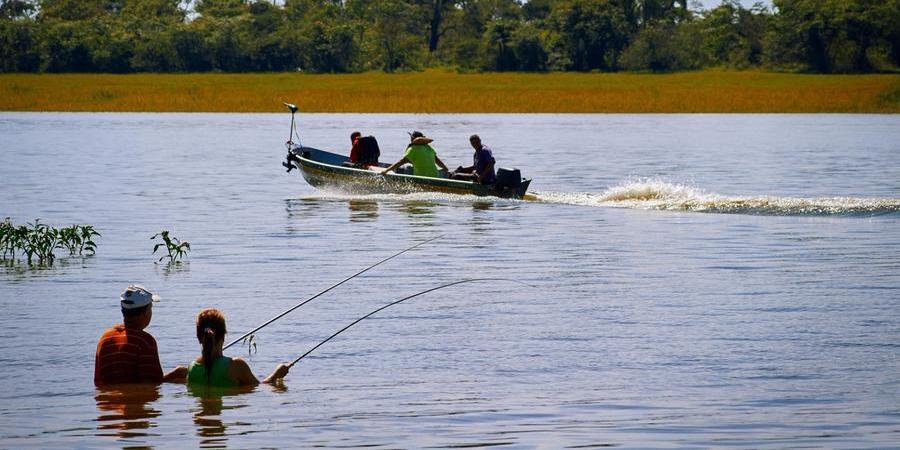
{"x":699,"y":281}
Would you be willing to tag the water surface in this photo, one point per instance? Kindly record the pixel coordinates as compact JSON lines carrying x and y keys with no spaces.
{"x":700,"y":281}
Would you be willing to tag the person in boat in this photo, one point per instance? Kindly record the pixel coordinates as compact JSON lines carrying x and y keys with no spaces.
{"x":214,"y":369}
{"x":421,"y":155}
{"x":354,"y":146}
{"x":482,"y":168}
{"x":128,"y":354}
{"x":365,"y":151}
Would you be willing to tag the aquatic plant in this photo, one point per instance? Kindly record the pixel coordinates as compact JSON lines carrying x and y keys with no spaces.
{"x":176,"y":249}
{"x":79,"y":239}
{"x":37,"y":241}
{"x":250,"y":342}
{"x":40,"y":241}
{"x":8,"y":239}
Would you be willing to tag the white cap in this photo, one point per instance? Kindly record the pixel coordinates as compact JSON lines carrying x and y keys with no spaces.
{"x":137,"y":296}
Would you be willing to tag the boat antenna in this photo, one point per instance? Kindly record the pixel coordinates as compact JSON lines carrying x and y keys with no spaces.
{"x":293,"y":130}
{"x":326,"y":290}
{"x":399,"y":301}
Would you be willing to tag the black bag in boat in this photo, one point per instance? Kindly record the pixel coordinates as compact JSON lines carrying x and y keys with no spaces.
{"x":508,"y":179}
{"x":368,"y":150}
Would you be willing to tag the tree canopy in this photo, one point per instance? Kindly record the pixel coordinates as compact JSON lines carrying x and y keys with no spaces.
{"x":333,"y":36}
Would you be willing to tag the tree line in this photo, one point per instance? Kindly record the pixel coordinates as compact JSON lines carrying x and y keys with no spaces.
{"x":329,"y":36}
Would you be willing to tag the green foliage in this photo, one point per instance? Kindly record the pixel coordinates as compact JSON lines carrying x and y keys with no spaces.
{"x":37,"y":241}
{"x":394,"y":39}
{"x":331,"y":36}
{"x":664,"y":48}
{"x":19,"y":42}
{"x":830,"y":36}
{"x":594,"y":32}
{"x":176,"y":249}
{"x":332,"y":48}
{"x":16,"y":9}
{"x":78,"y":239}
{"x":733,"y":36}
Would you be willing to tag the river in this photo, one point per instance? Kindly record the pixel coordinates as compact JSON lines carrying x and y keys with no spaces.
{"x":693,"y":281}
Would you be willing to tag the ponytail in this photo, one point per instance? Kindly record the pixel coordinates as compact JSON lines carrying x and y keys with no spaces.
{"x":210,"y":331}
{"x":209,"y":345}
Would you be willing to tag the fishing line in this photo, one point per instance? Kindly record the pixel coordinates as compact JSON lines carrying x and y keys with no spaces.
{"x":401,"y":300}
{"x":326,"y":290}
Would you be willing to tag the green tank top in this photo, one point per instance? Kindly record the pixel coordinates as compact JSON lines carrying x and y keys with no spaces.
{"x":219,"y":376}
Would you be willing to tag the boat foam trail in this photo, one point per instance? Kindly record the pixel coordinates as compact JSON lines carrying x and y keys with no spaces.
{"x":654,"y":194}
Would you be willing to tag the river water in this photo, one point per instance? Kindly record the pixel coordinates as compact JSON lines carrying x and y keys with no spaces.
{"x":695,"y":281}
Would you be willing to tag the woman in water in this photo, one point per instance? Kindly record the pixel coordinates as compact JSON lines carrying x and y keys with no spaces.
{"x":214,"y":369}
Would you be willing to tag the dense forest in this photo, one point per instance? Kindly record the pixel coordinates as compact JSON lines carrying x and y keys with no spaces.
{"x":327,"y":36}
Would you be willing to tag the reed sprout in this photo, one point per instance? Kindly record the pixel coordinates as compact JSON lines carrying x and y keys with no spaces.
{"x":176,"y":249}
{"x":250,"y":342}
{"x":37,"y":241}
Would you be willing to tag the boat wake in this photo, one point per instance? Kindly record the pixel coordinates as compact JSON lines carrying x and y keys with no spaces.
{"x":653,"y":194}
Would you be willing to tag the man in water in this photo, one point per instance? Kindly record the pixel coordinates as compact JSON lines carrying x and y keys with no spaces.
{"x":128,"y":354}
{"x":422,"y":157}
{"x":482,"y":168}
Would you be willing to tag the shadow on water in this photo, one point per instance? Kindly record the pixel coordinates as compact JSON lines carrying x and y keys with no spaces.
{"x":125,"y":411}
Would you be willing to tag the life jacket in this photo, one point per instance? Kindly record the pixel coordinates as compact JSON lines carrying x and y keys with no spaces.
{"x":368,"y":151}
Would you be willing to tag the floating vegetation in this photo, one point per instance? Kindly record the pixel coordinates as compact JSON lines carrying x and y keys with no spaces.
{"x":250,"y":342}
{"x":176,"y":249}
{"x":37,"y":242}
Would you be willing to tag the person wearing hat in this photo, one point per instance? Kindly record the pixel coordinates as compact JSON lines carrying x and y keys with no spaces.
{"x":422,"y":157}
{"x":128,"y":354}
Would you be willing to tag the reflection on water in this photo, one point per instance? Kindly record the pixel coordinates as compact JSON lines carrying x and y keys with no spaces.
{"x":363,"y":210}
{"x":208,"y":416}
{"x":125,"y":410}
{"x":174,"y":267}
{"x":481,"y":223}
{"x":301,"y":207}
{"x":420,"y":212}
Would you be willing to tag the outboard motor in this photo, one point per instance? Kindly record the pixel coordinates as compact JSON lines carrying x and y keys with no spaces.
{"x":291,"y":162}
{"x":508,"y":182}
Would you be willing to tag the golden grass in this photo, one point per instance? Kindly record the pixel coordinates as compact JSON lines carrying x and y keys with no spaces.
{"x":437,"y":91}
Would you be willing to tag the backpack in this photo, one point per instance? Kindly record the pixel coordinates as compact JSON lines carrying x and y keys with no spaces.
{"x":368,"y":150}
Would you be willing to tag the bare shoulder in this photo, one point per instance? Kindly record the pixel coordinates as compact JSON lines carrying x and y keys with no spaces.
{"x":239,"y":362}
{"x":240,"y":371}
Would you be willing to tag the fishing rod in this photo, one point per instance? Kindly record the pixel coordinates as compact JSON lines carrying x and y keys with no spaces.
{"x":399,"y":301}
{"x":326,"y":290}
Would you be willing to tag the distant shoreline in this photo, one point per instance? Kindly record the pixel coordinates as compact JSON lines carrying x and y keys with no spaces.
{"x":437,"y":91}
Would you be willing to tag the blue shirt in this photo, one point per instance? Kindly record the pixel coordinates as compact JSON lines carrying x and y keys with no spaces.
{"x":482,"y":159}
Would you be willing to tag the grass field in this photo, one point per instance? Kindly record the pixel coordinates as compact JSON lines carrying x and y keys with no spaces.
{"x":436,"y":91}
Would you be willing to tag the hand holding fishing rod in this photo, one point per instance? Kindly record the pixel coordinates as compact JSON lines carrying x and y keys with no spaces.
{"x":396,"y":302}
{"x":326,"y":290}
